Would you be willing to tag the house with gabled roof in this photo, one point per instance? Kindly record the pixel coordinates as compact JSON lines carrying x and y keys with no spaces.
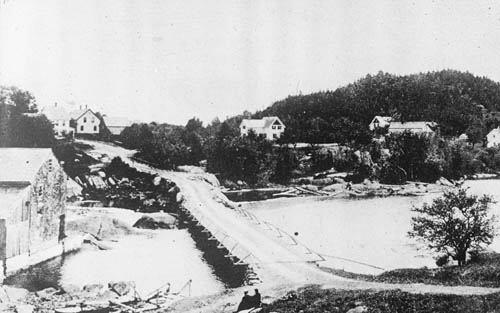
{"x":60,"y":118}
{"x":270,"y":127}
{"x":86,"y":121}
{"x":380,"y":122}
{"x":32,"y":207}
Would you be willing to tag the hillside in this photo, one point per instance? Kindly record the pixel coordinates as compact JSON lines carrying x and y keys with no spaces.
{"x":451,"y":98}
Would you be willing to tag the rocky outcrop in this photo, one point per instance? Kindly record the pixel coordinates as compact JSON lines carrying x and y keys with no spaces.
{"x":156,"y":221}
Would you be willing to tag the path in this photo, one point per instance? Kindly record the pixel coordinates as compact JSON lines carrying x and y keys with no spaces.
{"x":277,"y":261}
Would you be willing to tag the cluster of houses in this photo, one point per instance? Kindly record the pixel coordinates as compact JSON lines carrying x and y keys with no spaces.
{"x":68,"y":122}
{"x":272,"y":128}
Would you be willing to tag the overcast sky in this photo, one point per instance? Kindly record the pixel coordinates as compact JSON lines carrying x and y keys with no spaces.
{"x":168,"y":60}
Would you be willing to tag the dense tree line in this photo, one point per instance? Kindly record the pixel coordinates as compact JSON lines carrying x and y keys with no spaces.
{"x":457,"y":101}
{"x":20,"y":126}
{"x":453,"y":99}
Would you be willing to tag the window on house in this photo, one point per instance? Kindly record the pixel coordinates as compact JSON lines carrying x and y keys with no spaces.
{"x":64,"y":123}
{"x":25,"y":211}
{"x":275,"y":136}
{"x":274,"y":127}
{"x":81,"y":128}
{"x":279,"y":127}
{"x":40,"y":191}
{"x":49,"y":165}
{"x":93,"y":120}
{"x":243,"y":127}
{"x":85,"y":120}
{"x":95,"y":128}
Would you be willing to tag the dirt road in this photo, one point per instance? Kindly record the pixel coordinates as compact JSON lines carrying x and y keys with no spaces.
{"x":276,"y":260}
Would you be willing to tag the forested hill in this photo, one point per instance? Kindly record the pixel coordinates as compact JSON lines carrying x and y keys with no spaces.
{"x":449,"y":97}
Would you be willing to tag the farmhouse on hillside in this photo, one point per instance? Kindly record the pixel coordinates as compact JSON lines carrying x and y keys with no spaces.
{"x":493,"y":138}
{"x":86,"y":121}
{"x":380,"y":122}
{"x":420,"y":127}
{"x":269,"y":127}
{"x":32,"y":207}
{"x":116,"y":124}
{"x":60,"y":118}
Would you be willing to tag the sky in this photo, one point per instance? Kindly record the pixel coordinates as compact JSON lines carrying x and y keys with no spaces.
{"x":170,"y":60}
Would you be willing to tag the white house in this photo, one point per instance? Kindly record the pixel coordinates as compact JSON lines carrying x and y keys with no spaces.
{"x":270,"y":127}
{"x":60,"y":118}
{"x":380,"y":122}
{"x":419,"y":127}
{"x":493,"y":138}
{"x":86,"y":121}
{"x":116,"y":124}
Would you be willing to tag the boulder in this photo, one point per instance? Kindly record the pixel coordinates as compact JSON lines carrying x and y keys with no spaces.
{"x":15,"y":294}
{"x":156,"y":221}
{"x":25,"y":308}
{"x":92,"y":290}
{"x":444,"y":182}
{"x":46,"y":293}
{"x":322,"y":181}
{"x":358,"y":309}
{"x":334,"y":187}
{"x":121,"y":288}
{"x":310,"y":187}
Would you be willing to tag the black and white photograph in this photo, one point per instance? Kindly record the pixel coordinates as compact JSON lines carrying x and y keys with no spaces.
{"x":249,"y":156}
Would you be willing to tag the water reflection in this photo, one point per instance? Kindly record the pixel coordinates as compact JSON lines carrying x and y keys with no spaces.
{"x":169,"y":256}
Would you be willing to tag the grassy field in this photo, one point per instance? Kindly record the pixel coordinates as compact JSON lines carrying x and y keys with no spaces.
{"x":315,"y":300}
{"x":483,"y":272}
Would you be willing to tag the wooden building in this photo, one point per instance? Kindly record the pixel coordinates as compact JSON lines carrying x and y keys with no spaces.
{"x":32,"y":207}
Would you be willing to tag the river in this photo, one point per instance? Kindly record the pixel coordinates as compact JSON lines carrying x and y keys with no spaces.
{"x":370,"y":231}
{"x":149,"y":261}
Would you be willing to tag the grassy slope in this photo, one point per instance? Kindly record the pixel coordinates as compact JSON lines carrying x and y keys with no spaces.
{"x":485,"y":272}
{"x":314,"y":299}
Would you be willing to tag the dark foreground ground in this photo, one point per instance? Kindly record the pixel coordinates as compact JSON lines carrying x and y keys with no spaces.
{"x":313,"y":299}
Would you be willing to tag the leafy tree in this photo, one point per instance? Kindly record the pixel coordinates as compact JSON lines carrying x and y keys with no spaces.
{"x":455,"y":223}
{"x":409,"y":152}
{"x":32,"y":131}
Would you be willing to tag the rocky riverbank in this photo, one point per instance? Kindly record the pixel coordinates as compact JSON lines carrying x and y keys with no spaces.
{"x":340,"y":189}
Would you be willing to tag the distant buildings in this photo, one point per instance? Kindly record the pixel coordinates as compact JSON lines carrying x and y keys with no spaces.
{"x":493,"y":138}
{"x":81,"y":121}
{"x":269,"y":127}
{"x":32,"y":207}
{"x":116,"y":124}
{"x":416,"y":127}
{"x":419,"y":127}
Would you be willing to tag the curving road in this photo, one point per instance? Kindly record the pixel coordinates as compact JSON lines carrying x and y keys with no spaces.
{"x":277,"y":260}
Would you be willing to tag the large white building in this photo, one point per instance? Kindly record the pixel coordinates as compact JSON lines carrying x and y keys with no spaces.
{"x":269,"y":127}
{"x":86,"y":121}
{"x":60,"y":118}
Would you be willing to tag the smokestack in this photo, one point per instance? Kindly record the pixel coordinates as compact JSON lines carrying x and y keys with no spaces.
{"x":85,"y":107}
{"x":80,"y":106}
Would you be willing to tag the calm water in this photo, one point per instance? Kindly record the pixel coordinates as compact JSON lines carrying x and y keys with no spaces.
{"x":168,"y":256}
{"x":372,"y":231}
